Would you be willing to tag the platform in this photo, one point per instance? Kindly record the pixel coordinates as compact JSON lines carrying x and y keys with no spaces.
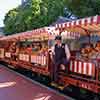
{"x":14,"y":86}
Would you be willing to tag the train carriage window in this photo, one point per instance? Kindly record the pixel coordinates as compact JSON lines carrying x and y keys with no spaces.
{"x":34,"y":46}
{"x":37,"y":48}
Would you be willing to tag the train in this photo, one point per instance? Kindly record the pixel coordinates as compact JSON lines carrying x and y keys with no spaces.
{"x":31,"y":50}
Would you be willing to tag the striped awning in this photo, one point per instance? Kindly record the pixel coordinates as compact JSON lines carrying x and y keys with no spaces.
{"x":71,"y":29}
{"x":91,"y":24}
{"x":26,"y":35}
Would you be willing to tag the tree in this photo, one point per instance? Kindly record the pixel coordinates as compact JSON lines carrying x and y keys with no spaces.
{"x":83,"y":8}
{"x":39,"y":13}
{"x":9,"y":21}
{"x":24,"y":18}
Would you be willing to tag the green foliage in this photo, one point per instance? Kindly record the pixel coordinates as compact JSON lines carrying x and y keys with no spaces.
{"x":33,"y":14}
{"x":39,"y":13}
{"x":83,"y":8}
{"x":10,"y":19}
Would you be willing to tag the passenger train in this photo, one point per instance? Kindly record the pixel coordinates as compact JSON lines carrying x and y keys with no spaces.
{"x":31,"y":50}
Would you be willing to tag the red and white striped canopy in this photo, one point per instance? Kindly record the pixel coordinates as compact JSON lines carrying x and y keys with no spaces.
{"x":26,"y":35}
{"x":72,"y":29}
{"x":90,"y":24}
{"x":52,"y":31}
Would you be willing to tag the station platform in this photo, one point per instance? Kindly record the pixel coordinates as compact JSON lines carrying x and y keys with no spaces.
{"x":14,"y":86}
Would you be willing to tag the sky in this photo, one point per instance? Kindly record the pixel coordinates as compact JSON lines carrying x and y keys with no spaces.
{"x":5,"y":6}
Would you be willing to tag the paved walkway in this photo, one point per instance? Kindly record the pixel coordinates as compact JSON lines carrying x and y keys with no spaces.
{"x":15,"y":87}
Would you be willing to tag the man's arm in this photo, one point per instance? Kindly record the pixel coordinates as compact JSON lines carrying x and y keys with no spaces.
{"x":67,"y":51}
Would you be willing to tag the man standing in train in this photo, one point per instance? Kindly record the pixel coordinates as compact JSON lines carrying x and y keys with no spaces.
{"x":60,"y":56}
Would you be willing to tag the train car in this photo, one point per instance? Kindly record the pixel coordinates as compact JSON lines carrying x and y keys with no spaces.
{"x":28,"y":50}
{"x":31,"y":50}
{"x":84,"y":67}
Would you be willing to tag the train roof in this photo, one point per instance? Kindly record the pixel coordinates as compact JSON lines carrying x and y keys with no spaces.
{"x":26,"y":35}
{"x":82,"y":26}
{"x":73,"y":28}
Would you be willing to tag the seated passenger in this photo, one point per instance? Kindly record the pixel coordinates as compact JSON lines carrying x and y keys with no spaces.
{"x":17,"y":52}
{"x":13,"y":48}
{"x":87,"y":51}
{"x":96,"y":53}
{"x":29,"y":49}
{"x":34,"y":48}
{"x":44,"y":49}
{"x":97,"y":48}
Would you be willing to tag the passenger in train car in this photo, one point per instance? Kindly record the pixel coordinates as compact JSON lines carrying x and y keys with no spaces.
{"x":13,"y":50}
{"x":39,"y":46}
{"x":29,"y":49}
{"x":44,"y":49}
{"x":96,"y":53}
{"x":17,"y":51}
{"x":87,"y":51}
{"x":90,"y":52}
{"x":97,"y":47}
{"x":33,"y":47}
{"x":36,"y":47}
{"x":13,"y":47}
{"x":60,"y":56}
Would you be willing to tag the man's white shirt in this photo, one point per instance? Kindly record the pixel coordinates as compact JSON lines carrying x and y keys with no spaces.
{"x":67,"y":51}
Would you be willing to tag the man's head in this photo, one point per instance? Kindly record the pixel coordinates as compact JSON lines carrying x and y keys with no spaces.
{"x":58,"y":39}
